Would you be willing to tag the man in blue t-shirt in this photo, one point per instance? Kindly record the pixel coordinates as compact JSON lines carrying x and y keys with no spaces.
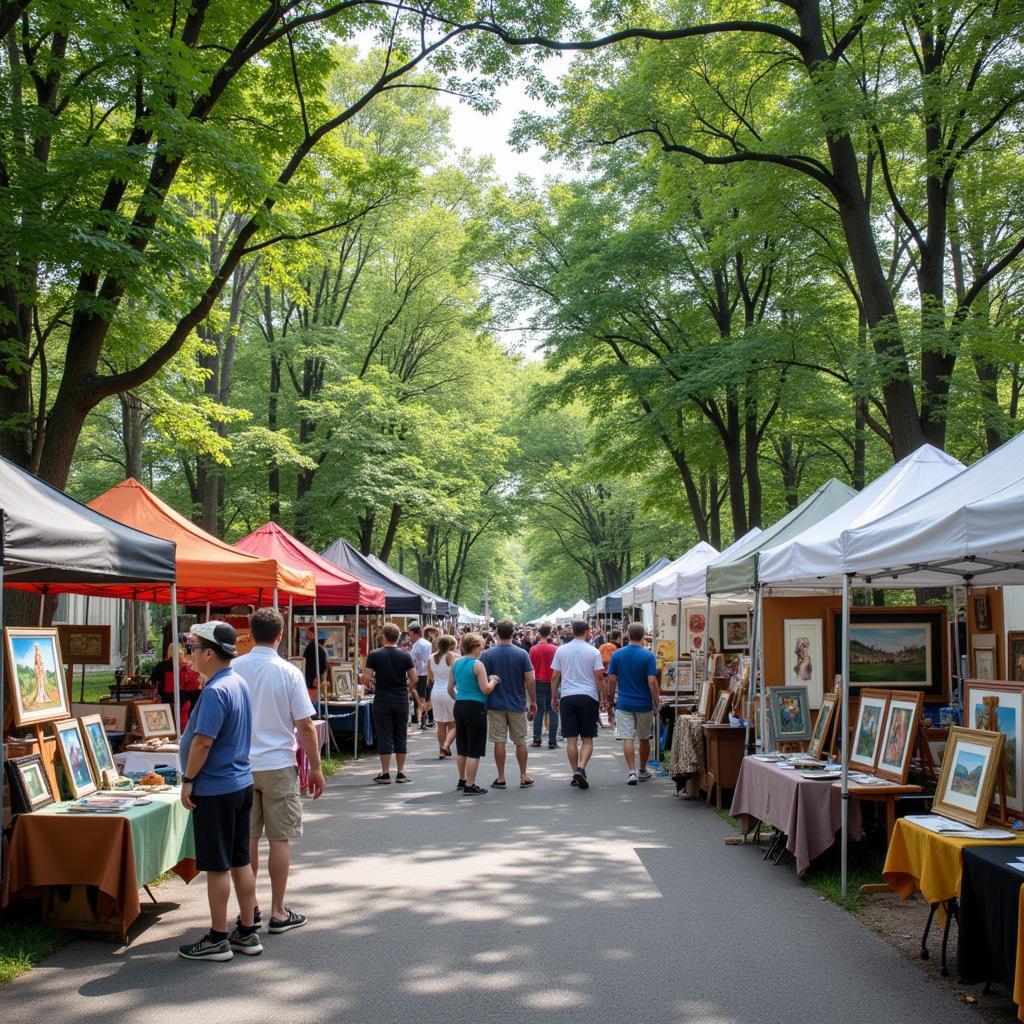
{"x":633,"y":674}
{"x":507,"y":704}
{"x":216,"y":786}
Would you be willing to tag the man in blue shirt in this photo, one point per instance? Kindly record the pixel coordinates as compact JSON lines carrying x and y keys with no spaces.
{"x":507,"y":703}
{"x":217,"y":788}
{"x":633,"y":675}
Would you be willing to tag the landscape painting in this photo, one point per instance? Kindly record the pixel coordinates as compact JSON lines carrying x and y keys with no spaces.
{"x":890,"y":654}
{"x":1009,"y":721}
{"x":36,"y":674}
{"x":968,"y":770}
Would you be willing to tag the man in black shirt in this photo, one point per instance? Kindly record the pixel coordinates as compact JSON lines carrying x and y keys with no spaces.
{"x":316,"y":659}
{"x":391,"y":672}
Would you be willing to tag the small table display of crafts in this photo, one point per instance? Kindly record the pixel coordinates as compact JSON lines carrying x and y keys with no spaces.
{"x":102,"y":841}
{"x":990,"y":946}
{"x":799,"y":802}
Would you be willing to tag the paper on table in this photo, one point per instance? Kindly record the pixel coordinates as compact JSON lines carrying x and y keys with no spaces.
{"x":948,"y":827}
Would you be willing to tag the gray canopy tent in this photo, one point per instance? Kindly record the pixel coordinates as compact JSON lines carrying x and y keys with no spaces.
{"x":49,"y":542}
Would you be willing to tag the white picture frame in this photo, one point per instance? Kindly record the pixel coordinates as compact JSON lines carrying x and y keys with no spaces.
{"x":802,"y":649}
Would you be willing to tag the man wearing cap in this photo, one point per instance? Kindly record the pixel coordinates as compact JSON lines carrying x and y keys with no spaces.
{"x":217,"y":788}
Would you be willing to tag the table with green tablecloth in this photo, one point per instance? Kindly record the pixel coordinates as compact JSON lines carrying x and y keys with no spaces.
{"x":117,"y":854}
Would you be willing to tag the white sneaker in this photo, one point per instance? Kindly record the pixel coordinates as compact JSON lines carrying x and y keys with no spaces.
{"x":631,"y":779}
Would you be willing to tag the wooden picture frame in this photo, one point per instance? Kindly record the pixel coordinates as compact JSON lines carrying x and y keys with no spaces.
{"x":733,"y":633}
{"x":720,"y":714}
{"x":343,"y":683}
{"x":35,"y":674}
{"x":29,"y":784}
{"x":872,"y":715}
{"x":823,"y":725}
{"x":75,"y":758}
{"x":1015,"y":656}
{"x":1011,"y":725}
{"x":802,"y":641}
{"x":706,"y":703}
{"x":156,"y":721}
{"x":982,"y":613}
{"x":791,"y":713}
{"x":84,"y":645}
{"x":677,"y":676}
{"x":983,"y":656}
{"x":97,"y":745}
{"x":967,"y":780}
{"x":902,"y":720}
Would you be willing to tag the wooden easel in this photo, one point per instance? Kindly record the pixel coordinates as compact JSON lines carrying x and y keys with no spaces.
{"x":47,"y":746}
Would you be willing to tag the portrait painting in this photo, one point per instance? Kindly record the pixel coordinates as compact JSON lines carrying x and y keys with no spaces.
{"x":791,"y":713}
{"x":982,"y":614}
{"x":968,"y":776}
{"x":867,"y":733}
{"x":902,"y":721}
{"x":802,"y":648}
{"x":77,"y":769}
{"x":35,"y":672}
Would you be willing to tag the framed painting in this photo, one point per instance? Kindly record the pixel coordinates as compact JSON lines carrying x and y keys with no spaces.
{"x":85,"y":645}
{"x":983,"y":656}
{"x":1010,"y":723}
{"x":1015,"y":656}
{"x":896,"y":648}
{"x":967,"y":779}
{"x":867,"y":733}
{"x":35,"y":671}
{"x":707,"y":696}
{"x":98,"y":746}
{"x":823,"y":724}
{"x":902,"y":720}
{"x":791,"y":713}
{"x":733,"y":632}
{"x":156,"y":720}
{"x":29,"y":786}
{"x":343,"y":683}
{"x":982,"y":613}
{"x":720,"y":714}
{"x":677,"y":677}
{"x":75,"y":759}
{"x":801,"y":640}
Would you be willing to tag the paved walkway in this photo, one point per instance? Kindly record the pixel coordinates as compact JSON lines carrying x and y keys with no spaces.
{"x":620,"y":904}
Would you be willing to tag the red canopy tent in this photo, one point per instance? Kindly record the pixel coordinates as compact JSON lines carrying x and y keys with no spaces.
{"x":336,"y":590}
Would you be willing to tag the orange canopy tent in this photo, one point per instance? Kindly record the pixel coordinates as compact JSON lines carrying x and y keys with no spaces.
{"x":209,"y":571}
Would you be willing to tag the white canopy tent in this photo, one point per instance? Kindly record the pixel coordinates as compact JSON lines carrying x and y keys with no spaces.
{"x":577,"y":611}
{"x":647,"y":590}
{"x":466,"y":617}
{"x":693,"y":582}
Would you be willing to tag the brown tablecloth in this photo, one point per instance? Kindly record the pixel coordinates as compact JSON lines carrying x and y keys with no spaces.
{"x":687,"y":747}
{"x":85,"y":849}
{"x":807,"y":810}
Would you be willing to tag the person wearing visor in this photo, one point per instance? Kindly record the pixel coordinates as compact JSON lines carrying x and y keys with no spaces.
{"x":216,"y":786}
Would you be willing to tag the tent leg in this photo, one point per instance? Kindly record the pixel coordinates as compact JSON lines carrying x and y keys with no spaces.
{"x":844,"y":733}
{"x":275,"y":599}
{"x":42,"y":608}
{"x":355,"y":666}
{"x":81,"y":692}
{"x":207,"y":611}
{"x":291,"y":627}
{"x":3,"y":690}
{"x":957,"y":668}
{"x":175,"y":659}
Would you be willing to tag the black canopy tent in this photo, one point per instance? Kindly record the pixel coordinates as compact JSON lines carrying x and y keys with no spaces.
{"x":399,"y":598}
{"x":48,"y":538}
{"x":441,"y":606}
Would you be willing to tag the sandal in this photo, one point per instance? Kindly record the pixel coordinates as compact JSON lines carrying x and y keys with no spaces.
{"x":496,"y":784}
{"x":525,"y":783}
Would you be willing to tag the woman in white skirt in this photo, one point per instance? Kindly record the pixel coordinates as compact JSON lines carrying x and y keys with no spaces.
{"x":439,"y":671}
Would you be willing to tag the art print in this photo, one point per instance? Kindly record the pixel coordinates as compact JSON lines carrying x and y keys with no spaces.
{"x":803,"y":653}
{"x":1009,"y":721}
{"x":1015,"y":656}
{"x":155,"y":720}
{"x":791,"y":713}
{"x":967,"y":780}
{"x":867,"y":733}
{"x":35,"y":672}
{"x":901,"y":724}
{"x":73,"y":755}
{"x":100,"y":754}
{"x":734,"y":632}
{"x":29,"y":785}
{"x":677,"y":677}
{"x":823,"y":725}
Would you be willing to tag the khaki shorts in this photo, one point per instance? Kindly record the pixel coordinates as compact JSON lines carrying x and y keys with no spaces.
{"x":634,"y":725}
{"x":501,"y":725}
{"x":276,"y":804}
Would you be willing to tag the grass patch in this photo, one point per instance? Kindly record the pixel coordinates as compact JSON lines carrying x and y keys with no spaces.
{"x":864,"y":867}
{"x":727,"y":818}
{"x":22,"y":946}
{"x":331,"y":765}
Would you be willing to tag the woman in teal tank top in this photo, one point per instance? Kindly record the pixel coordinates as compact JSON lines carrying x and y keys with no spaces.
{"x":470,"y":685}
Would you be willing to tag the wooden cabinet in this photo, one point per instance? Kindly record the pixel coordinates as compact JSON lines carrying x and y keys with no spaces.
{"x":723,"y":745}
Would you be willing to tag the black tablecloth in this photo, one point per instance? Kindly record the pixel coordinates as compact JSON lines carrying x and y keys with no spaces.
{"x":989,"y":907}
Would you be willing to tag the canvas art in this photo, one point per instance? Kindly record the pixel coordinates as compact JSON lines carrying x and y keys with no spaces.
{"x":343,"y":684}
{"x":822,"y":725}
{"x":29,"y":785}
{"x":77,"y":769}
{"x":902,"y":721}
{"x":791,"y":713}
{"x":36,"y":673}
{"x":1010,"y":722}
{"x":156,"y":720}
{"x":734,"y":632}
{"x":867,"y":733}
{"x":100,"y":754}
{"x":677,"y":677}
{"x":968,"y":776}
{"x":802,"y":649}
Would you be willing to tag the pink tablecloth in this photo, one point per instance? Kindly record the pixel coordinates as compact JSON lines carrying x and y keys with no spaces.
{"x":808,"y":811}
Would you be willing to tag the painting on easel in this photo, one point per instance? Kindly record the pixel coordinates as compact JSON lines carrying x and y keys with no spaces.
{"x":35,"y":672}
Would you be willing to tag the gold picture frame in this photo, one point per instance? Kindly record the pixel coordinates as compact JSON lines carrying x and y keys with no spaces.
{"x":98,"y":746}
{"x":35,"y":674}
{"x":822,"y":725}
{"x":970,"y":767}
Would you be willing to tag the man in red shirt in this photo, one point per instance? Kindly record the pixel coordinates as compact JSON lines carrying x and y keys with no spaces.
{"x":542,"y":653}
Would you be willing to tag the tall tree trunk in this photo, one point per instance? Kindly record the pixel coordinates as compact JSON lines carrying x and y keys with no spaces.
{"x":132,"y":427}
{"x":389,"y":533}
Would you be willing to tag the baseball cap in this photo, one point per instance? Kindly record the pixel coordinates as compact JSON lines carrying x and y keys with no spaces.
{"x":219,"y":634}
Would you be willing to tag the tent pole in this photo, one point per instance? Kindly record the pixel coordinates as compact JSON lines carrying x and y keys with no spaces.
{"x":957,"y":678}
{"x":679,"y":642}
{"x":42,"y":607}
{"x":291,"y":628}
{"x":175,"y":659}
{"x":355,"y":663}
{"x":275,"y":599}
{"x":707,"y":637}
{"x":207,"y":611}
{"x":3,"y":690}
{"x":757,"y":673}
{"x":81,"y":692}
{"x":844,"y":734}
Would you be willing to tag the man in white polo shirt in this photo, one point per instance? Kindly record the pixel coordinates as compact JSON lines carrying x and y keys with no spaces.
{"x":577,"y":677}
{"x":280,"y":708}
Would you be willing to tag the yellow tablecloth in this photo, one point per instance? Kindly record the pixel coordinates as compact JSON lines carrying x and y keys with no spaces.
{"x":925,"y":862}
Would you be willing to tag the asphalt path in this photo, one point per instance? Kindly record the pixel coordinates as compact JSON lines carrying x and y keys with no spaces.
{"x":618,"y":904}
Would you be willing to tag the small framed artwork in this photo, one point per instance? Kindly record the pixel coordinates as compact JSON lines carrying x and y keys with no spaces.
{"x":343,"y":683}
{"x":1011,"y":724}
{"x":720,"y":714}
{"x":299,"y":663}
{"x":1015,"y":656}
{"x":98,"y":746}
{"x":707,"y":695}
{"x":867,"y":734}
{"x":804,"y":665}
{"x":677,"y":677}
{"x":156,"y":720}
{"x":982,"y":613}
{"x":902,"y":720}
{"x":823,"y":724}
{"x":77,"y":769}
{"x":35,"y":670}
{"x":983,"y":655}
{"x":85,"y":645}
{"x":114,"y":716}
{"x":791,"y":713}
{"x":733,"y":632}
{"x":967,"y":779}
{"x":30,"y":788}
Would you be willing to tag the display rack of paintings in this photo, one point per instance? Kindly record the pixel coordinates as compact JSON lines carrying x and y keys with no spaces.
{"x":1009,"y":720}
{"x":967,"y":779}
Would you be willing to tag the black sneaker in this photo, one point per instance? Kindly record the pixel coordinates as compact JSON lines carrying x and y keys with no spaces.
{"x":257,"y":920}
{"x":249,"y":944}
{"x":552,"y":746}
{"x":207,"y":949}
{"x":402,"y":777}
{"x":473,"y":790}
{"x":384,"y":779}
{"x":575,"y":780}
{"x":536,"y":743}
{"x":462,"y":784}
{"x":581,"y":778}
{"x":286,"y":924}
